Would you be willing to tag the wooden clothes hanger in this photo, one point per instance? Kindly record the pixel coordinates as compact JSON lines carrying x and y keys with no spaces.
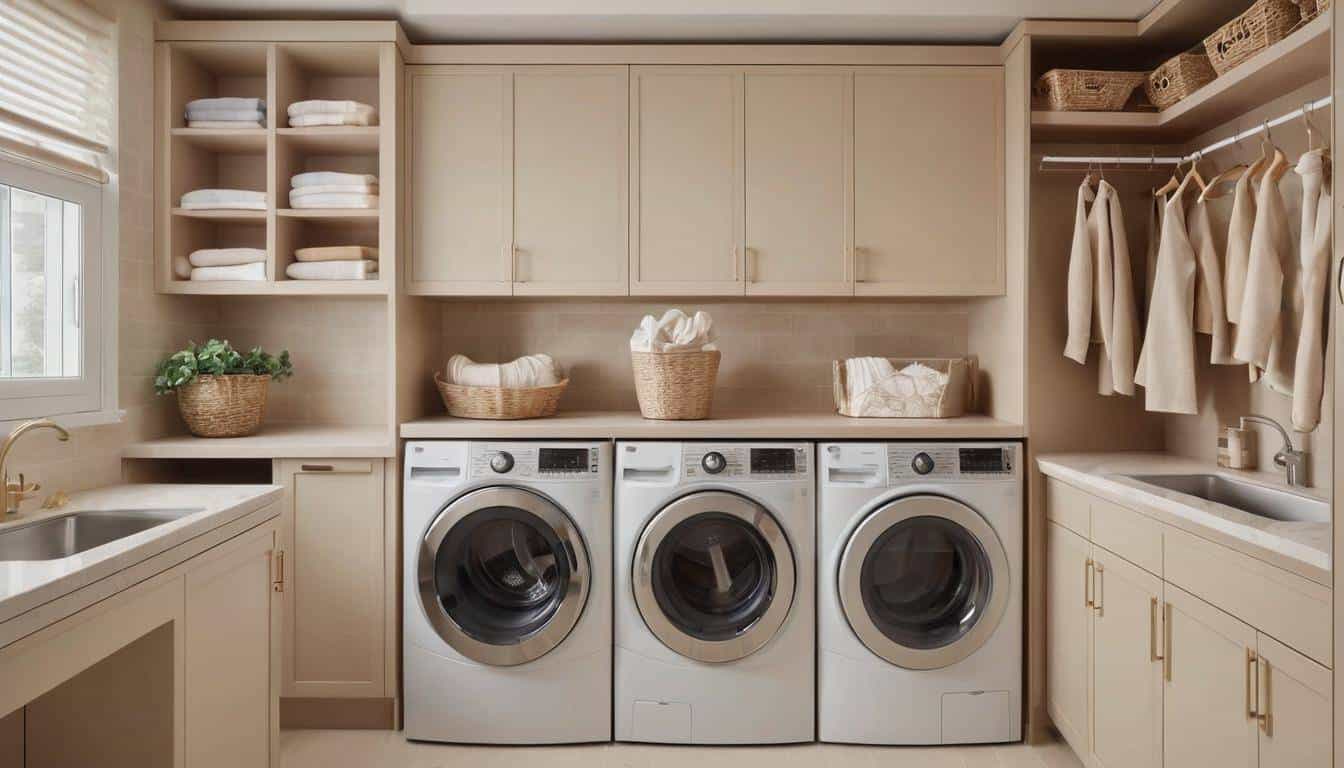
{"x":1214,"y":189}
{"x":1268,"y":159}
{"x":1172,"y":184}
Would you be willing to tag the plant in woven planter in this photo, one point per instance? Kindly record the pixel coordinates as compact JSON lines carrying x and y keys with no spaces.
{"x":221,"y":392}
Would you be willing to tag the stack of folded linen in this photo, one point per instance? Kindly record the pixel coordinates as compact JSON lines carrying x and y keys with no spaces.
{"x":326,"y":189}
{"x":209,"y":264}
{"x":337,"y":262}
{"x":306,"y":114}
{"x":228,"y":112}
{"x":227,"y":199}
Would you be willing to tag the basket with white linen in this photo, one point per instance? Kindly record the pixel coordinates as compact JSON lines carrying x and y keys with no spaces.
{"x":469,"y":402}
{"x":675,"y":385}
{"x":911,"y":388}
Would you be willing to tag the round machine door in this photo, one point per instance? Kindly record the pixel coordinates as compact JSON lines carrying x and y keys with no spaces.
{"x":503,"y":575}
{"x":924,"y":581}
{"x":714,"y":576}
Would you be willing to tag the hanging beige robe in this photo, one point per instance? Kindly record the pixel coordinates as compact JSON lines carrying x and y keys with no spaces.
{"x":1167,"y":363}
{"x":1316,"y":242}
{"x":1080,"y":279}
{"x":1155,"y":211}
{"x":1115,"y":296}
{"x":1264,"y":336}
{"x":1210,"y":307}
{"x":1239,"y":228}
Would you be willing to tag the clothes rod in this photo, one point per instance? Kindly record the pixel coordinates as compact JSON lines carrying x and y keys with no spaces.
{"x":1306,"y":109}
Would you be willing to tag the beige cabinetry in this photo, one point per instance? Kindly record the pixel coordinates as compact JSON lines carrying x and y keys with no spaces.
{"x":1293,"y":705}
{"x":1068,"y":632}
{"x":1127,"y":664}
{"x":335,"y":581}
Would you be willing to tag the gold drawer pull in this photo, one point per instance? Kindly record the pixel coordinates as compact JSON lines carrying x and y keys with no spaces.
{"x":1099,"y":597}
{"x":1153,"y":655}
{"x":1251,"y":683}
{"x":317,"y":468}
{"x":1266,"y":716}
{"x":1087,"y":583}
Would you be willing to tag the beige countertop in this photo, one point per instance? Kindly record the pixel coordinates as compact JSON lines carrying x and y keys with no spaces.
{"x":575,"y":425}
{"x":1302,"y":547}
{"x":279,"y":441}
{"x":25,"y":585}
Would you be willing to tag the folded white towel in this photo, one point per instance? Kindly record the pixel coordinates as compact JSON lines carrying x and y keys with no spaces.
{"x":328,"y":107}
{"x":674,"y":331}
{"x":237,"y":272}
{"x":319,"y":189}
{"x":226,"y":114}
{"x":224,"y":198}
{"x":318,"y":178}
{"x":343,"y":118}
{"x":337,"y":253}
{"x":334,"y":200}
{"x":181,"y":268}
{"x":226,"y":257}
{"x":225,"y":123}
{"x":226,"y":102}
{"x":528,"y":371}
{"x":332,"y":270}
{"x":239,"y":206}
{"x":863,"y":373}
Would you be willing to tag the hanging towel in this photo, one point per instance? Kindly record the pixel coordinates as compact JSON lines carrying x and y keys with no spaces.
{"x":329,"y":118}
{"x":328,"y":106}
{"x":1167,"y":363}
{"x":1155,"y":212}
{"x":316,"y":178}
{"x":255,"y":271}
{"x":1119,"y":320}
{"x":318,"y":189}
{"x":1081,"y":266}
{"x":337,"y":253}
{"x":229,"y":124}
{"x":1317,"y":217}
{"x":1261,"y":333}
{"x":226,"y":257}
{"x":332,"y":270}
{"x":334,"y":200}
{"x":1239,"y":229}
{"x":225,"y":103}
{"x":1210,"y":307}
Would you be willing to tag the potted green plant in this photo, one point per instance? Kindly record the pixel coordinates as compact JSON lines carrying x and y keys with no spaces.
{"x":221,"y":392}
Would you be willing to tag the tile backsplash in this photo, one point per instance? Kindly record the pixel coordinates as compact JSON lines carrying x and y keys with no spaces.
{"x":776,"y":355}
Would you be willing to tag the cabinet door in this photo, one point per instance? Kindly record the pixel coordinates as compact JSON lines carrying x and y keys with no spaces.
{"x":1126,"y":664}
{"x":460,"y":164}
{"x":799,"y":141}
{"x":231,"y":656}
{"x":571,"y":133}
{"x":1208,"y":700}
{"x":1068,"y":634}
{"x":334,"y":590}
{"x":1294,"y":702}
{"x":928,"y":181}
{"x":686,"y":172}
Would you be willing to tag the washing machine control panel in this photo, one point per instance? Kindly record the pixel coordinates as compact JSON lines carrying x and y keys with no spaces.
{"x":947,"y":462}
{"x":703,"y":461}
{"x":538,"y":462}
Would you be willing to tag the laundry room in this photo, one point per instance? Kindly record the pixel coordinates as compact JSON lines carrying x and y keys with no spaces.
{"x":627,"y":383}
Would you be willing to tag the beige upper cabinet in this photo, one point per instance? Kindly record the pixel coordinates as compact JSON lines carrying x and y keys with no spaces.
{"x":460,"y":161}
{"x":928,"y":181}
{"x":1068,"y":634}
{"x":571,"y":132}
{"x":799,"y":141}
{"x":687,"y":177}
{"x":1127,"y":664}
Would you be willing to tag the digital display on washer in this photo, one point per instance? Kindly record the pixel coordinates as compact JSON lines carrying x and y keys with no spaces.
{"x":985,"y":460}
{"x":563,"y":460}
{"x":772,"y":460}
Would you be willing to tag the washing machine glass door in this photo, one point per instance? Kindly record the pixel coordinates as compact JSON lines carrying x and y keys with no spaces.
{"x":924,"y":581}
{"x":503,"y":575}
{"x":714,"y":576}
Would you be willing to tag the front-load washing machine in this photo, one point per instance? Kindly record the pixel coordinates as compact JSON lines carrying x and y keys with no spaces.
{"x":920,"y":593}
{"x":715,"y":616}
{"x":507,"y":592}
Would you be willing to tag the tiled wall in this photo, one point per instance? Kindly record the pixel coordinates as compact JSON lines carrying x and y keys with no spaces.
{"x":776,"y":355}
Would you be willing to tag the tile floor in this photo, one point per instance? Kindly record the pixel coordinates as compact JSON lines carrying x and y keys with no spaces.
{"x":388,"y":749}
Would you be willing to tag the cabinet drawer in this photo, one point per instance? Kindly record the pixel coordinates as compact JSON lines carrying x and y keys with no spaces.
{"x":1280,"y":604}
{"x":1069,"y":507}
{"x":1129,"y":534}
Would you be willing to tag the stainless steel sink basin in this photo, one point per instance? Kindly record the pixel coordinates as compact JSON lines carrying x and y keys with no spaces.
{"x":1272,"y":503}
{"x":57,"y":537}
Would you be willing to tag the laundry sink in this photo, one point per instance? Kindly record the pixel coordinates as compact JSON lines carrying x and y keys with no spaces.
{"x":1258,"y":500}
{"x":57,"y":537}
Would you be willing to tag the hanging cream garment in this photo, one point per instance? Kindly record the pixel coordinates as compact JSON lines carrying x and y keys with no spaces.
{"x":1265,"y":320}
{"x":1115,"y":295}
{"x":1167,"y":363}
{"x":1080,"y":281}
{"x":1317,"y":213}
{"x":1239,"y":228}
{"x":1210,"y":307}
{"x":1155,"y":211}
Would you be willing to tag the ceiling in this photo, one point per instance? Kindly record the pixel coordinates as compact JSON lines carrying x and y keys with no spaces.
{"x":939,"y":21}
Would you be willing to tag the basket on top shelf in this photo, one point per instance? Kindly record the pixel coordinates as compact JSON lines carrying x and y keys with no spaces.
{"x":675,"y":385}
{"x":897,"y":397}
{"x":1088,"y":90}
{"x":469,"y":402}
{"x":1312,"y":8}
{"x":1178,"y":77}
{"x":1262,"y":25}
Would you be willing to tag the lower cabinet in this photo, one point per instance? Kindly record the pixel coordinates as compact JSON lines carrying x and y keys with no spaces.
{"x":1127,"y":664}
{"x":1068,"y":633}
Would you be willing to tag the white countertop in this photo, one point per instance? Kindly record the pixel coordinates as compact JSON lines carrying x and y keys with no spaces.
{"x":278,"y":441}
{"x":25,"y":585}
{"x":1303,"y":547}
{"x":609,"y":425}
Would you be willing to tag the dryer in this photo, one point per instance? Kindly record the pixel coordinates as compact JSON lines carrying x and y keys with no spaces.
{"x":506,"y":619}
{"x":920,"y":593}
{"x":715,"y":580}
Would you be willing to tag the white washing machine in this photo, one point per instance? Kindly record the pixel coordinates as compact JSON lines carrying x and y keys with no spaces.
{"x":507,"y":592}
{"x":920,"y":607}
{"x":715,"y":616}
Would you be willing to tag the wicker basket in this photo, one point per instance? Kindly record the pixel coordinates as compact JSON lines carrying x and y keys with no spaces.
{"x":956,"y":399}
{"x":1179,"y":77}
{"x":500,"y":402}
{"x":675,"y":385}
{"x":223,"y":406}
{"x":1312,"y":8}
{"x":1088,"y":90}
{"x":1262,"y":25}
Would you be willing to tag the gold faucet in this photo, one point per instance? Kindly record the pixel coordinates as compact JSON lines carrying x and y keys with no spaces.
{"x":16,"y":492}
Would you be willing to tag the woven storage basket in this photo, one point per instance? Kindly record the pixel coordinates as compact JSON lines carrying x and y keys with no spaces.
{"x":1088,"y":90}
{"x":1262,"y":25}
{"x":223,"y":406}
{"x":1312,"y":8}
{"x":1179,"y":77}
{"x":499,"y":402}
{"x":957,"y":397}
{"x":675,"y":385}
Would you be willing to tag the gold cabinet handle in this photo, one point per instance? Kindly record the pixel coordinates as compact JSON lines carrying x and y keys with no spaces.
{"x":1099,"y":595}
{"x":279,"y":584}
{"x":1166,"y":641}
{"x":737,"y":269}
{"x":1153,"y":655}
{"x":1087,"y":583}
{"x":1265,"y":703}
{"x":1252,"y":683}
{"x":749,"y":264}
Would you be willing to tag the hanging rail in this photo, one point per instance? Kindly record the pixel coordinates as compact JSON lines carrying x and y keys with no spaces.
{"x":1152,"y":160}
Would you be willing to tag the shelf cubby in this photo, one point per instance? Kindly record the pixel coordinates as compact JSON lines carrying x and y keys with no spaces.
{"x":213,"y":70}
{"x":294,"y":232}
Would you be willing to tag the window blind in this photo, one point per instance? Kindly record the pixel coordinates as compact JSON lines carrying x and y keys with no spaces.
{"x":56,"y":88}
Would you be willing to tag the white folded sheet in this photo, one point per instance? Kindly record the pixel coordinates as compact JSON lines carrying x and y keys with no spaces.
{"x":181,"y":268}
{"x":245,"y":199}
{"x":317,"y":178}
{"x":674,"y":331}
{"x":337,"y":253}
{"x":238,"y":272}
{"x":226,"y":114}
{"x":332,"y":270}
{"x":330,"y":118}
{"x":328,"y":106}
{"x":226,"y":257}
{"x":528,"y":371}
{"x":226,"y":102}
{"x":318,"y":189}
{"x":225,"y":123}
{"x":334,"y":200}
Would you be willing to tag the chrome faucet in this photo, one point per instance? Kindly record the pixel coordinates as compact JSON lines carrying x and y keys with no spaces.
{"x":1294,"y":462}
{"x":17,"y":492}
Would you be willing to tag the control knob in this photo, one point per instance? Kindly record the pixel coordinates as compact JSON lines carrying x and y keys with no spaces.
{"x":713,"y":462}
{"x":922,"y":463}
{"x":501,"y":462}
